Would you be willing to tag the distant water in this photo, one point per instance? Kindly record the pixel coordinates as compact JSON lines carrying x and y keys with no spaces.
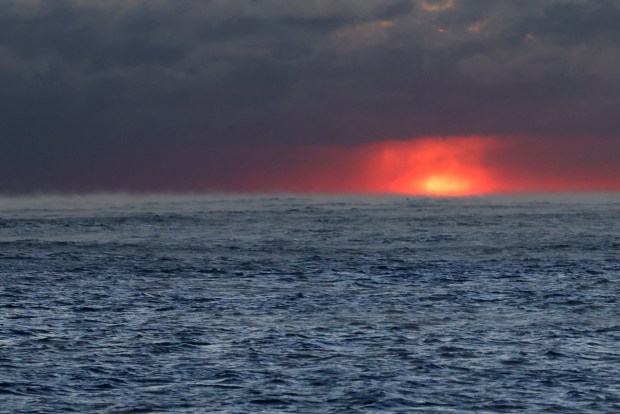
{"x":239,"y":304}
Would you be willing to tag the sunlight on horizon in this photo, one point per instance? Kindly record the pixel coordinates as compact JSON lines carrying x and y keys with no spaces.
{"x":436,"y":166}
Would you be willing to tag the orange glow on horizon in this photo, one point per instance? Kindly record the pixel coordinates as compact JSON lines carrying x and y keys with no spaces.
{"x":446,"y":184}
{"x":431,"y":166}
{"x":435,"y":166}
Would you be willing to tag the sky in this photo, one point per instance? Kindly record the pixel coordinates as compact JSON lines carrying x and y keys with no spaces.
{"x":436,"y":97}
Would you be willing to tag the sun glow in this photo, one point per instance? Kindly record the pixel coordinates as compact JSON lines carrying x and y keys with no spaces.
{"x":436,"y":166}
{"x":446,"y":185}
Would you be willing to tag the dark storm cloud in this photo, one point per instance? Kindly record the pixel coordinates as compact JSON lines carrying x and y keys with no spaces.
{"x":106,"y":94}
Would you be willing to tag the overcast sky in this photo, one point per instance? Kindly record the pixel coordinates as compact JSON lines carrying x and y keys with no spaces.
{"x":148,"y":94}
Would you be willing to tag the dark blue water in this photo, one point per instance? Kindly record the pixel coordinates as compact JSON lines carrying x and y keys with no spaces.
{"x":339,"y":305}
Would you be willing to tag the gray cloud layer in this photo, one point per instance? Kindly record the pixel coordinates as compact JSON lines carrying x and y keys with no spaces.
{"x":119,"y":85}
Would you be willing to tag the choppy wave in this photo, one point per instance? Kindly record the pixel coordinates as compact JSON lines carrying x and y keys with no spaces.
{"x":324,"y":304}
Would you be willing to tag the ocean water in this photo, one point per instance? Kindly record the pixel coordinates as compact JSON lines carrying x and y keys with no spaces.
{"x":251,"y":304}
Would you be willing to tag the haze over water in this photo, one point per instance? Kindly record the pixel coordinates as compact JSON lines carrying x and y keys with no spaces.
{"x":191,"y":304}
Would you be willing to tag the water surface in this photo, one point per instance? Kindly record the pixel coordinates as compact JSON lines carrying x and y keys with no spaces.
{"x":236,"y":304}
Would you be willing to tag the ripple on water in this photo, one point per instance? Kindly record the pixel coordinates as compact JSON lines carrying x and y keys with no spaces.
{"x":290,"y":305}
